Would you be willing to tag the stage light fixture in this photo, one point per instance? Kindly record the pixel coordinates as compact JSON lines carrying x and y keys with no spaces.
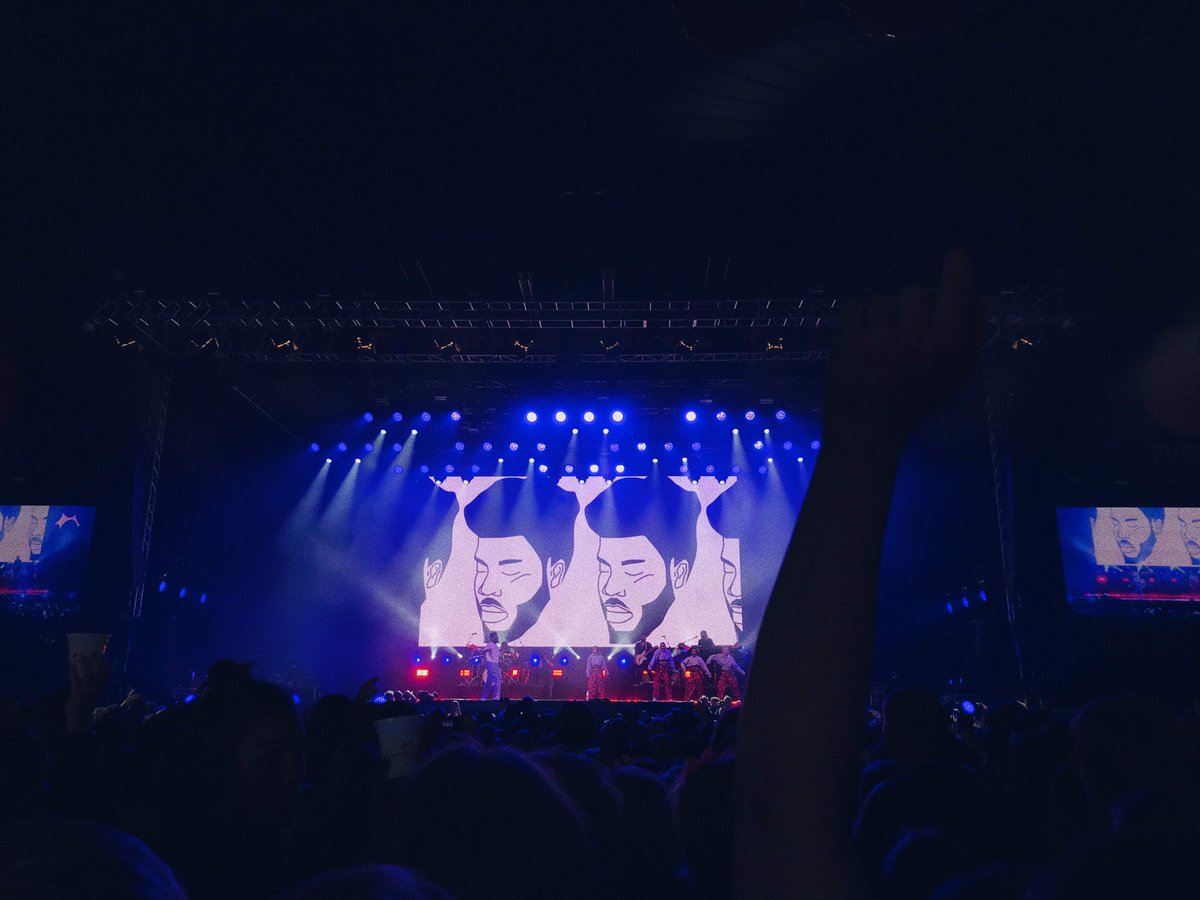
{"x":655,"y":460}
{"x":564,"y":660}
{"x":459,"y":446}
{"x":425,"y":417}
{"x":328,"y":460}
{"x":750,"y":415}
{"x":762,"y":470}
{"x":513,"y":446}
{"x":767,"y":431}
{"x":722,"y":416}
{"x":464,"y":673}
{"x":966,"y":602}
{"x":780,"y":415}
{"x":710,"y":468}
{"x":622,"y":660}
{"x":574,"y":431}
{"x":690,"y":415}
{"x":683,"y":470}
{"x":968,"y":707}
{"x":543,"y":468}
{"x":475,"y":470}
{"x":531,"y":416}
{"x":816,"y":445}
{"x":455,"y":416}
{"x":398,"y":469}
{"x":787,"y":445}
{"x":500,"y":460}
{"x":449,"y":469}
{"x":560,"y":417}
{"x":422,"y":673}
{"x":695,"y":445}
{"x":949,"y":608}
{"x":982,"y":596}
{"x":357,"y":461}
{"x":593,"y":468}
{"x":758,"y":445}
{"x":424,"y":470}
{"x":418,"y":659}
{"x":669,"y":446}
{"x":447,"y":659}
{"x":556,"y":673}
{"x":182,"y":593}
{"x":535,"y":660}
{"x":367,"y":417}
{"x":736,"y":470}
{"x":568,"y":468}
{"x":605,"y":431}
{"x":342,"y":447}
{"x":770,"y":459}
{"x":397,"y":447}
{"x":589,"y":416}
{"x":618,"y":416}
{"x":413,"y":432}
{"x":203,"y":598}
{"x":614,"y":447}
{"x":162,"y":586}
{"x":314,"y":446}
{"x":541,"y":447}
{"x":641,"y":446}
{"x":396,"y":417}
{"x":799,"y":459}
{"x":487,"y":446}
{"x":620,"y":469}
{"x":368,"y":447}
{"x":735,"y":431}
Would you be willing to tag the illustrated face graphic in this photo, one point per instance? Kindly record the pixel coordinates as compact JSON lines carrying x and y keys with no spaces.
{"x":1134,"y":533}
{"x":633,"y":575}
{"x":1189,"y":524}
{"x":37,"y":531}
{"x":731,"y":578}
{"x":507,"y":574}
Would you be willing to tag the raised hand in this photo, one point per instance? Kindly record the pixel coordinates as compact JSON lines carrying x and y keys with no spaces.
{"x":896,"y":358}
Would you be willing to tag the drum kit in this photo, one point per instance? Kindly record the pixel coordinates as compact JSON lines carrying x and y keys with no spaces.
{"x":514,"y":668}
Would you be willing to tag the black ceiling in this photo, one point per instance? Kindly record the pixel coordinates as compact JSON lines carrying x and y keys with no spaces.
{"x":281,"y":149}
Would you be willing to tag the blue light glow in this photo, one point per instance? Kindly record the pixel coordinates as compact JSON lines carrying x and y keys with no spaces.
{"x":758,"y":445}
{"x":966,"y":602}
{"x":487,"y":446}
{"x":474,"y":470}
{"x":314,"y":446}
{"x":780,"y":415}
{"x":535,"y":660}
{"x":425,"y":417}
{"x":541,"y":447}
{"x":424,"y":470}
{"x":669,"y":446}
{"x":762,"y":470}
{"x":589,"y":416}
{"x":543,"y":468}
{"x":417,"y":659}
{"x":568,"y":468}
{"x":455,"y":416}
{"x":203,"y":598}
{"x":368,"y":447}
{"x":787,"y":445}
{"x":399,"y":470}
{"x":396,"y":417}
{"x":367,"y":417}
{"x":449,"y":469}
{"x":949,"y":608}
{"x":736,"y":470}
{"x":459,"y":446}
{"x":560,"y":417}
{"x":641,"y":446}
{"x":622,"y":660}
{"x":593,"y":468}
{"x":620,"y":469}
{"x":968,"y":707}
{"x":531,"y":416}
{"x":690,"y":415}
{"x":614,"y":447}
{"x":182,"y":593}
{"x":618,"y":416}
{"x":342,"y":447}
{"x":513,"y":445}
{"x":162,"y":586}
{"x":397,"y":447}
{"x":710,"y":468}
{"x":750,"y":415}
{"x":722,"y":416}
{"x":564,"y":659}
{"x":683,"y":470}
{"x":816,"y":445}
{"x":695,"y":445}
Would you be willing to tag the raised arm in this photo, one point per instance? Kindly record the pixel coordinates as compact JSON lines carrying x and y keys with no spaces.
{"x":799,"y":733}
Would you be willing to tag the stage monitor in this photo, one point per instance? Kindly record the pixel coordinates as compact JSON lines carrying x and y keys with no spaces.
{"x":1131,"y":559}
{"x":43,"y":559}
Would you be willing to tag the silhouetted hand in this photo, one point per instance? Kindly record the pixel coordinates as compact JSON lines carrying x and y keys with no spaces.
{"x":898,"y":357}
{"x":88,"y":674}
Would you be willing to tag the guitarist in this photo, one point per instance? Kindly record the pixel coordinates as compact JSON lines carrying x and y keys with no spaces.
{"x":641,"y":652}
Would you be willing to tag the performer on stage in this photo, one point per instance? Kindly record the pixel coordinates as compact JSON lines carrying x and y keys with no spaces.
{"x":705,"y":645}
{"x":662,"y":667}
{"x":491,"y":667}
{"x":727,"y":683}
{"x":597,"y":671}
{"x":694,"y":671}
{"x":641,"y":655}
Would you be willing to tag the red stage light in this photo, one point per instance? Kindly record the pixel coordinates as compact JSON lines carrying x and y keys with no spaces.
{"x":516,"y":672}
{"x":557,"y":673}
{"x":422,"y":673}
{"x":687,"y":674}
{"x":464,"y":673}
